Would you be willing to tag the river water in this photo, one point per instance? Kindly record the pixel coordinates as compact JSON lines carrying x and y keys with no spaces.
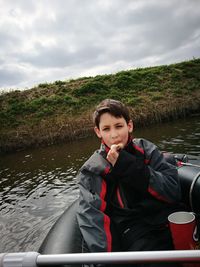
{"x":37,"y":185}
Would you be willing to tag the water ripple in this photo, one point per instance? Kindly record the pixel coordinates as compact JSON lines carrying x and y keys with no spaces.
{"x":37,"y":185}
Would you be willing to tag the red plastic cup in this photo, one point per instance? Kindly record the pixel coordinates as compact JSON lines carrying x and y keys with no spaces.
{"x":183,"y":226}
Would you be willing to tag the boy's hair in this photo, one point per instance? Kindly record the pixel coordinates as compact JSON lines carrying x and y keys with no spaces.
{"x":114,"y":107}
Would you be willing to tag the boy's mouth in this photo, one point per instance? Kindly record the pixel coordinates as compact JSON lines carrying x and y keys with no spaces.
{"x":117,"y":146}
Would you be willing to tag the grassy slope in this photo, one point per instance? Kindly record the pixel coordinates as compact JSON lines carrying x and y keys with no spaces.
{"x":62,"y":110}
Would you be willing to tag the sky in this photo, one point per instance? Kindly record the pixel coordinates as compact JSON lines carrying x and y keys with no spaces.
{"x":47,"y":40}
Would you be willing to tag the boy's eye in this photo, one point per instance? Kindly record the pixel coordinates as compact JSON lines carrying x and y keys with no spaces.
{"x":105,"y":129}
{"x":119,"y":126}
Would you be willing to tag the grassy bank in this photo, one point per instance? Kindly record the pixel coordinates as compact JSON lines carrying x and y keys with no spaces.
{"x":61,"y":111}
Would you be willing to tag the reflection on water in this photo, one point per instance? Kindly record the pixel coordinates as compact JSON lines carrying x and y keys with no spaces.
{"x":37,"y":185}
{"x":179,"y":137}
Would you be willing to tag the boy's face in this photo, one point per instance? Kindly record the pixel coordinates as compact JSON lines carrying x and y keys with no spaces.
{"x":113,"y":130}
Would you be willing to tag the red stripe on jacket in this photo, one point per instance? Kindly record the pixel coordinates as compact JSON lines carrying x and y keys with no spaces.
{"x":106,"y":170}
{"x":138,"y":149}
{"x":106,"y":218}
{"x":156,"y":195}
{"x":119,"y":198}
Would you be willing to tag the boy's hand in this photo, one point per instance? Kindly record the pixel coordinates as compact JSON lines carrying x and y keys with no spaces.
{"x":113,"y":153}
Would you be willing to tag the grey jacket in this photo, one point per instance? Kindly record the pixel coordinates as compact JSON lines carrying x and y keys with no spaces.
{"x":142,"y":185}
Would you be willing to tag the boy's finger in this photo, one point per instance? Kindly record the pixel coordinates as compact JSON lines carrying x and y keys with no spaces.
{"x":113,"y":153}
{"x":116,"y":147}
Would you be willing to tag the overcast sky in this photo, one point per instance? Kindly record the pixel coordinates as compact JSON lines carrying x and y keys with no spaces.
{"x":48,"y":40}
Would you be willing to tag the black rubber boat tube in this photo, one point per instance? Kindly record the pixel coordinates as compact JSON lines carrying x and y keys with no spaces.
{"x":192,"y":189}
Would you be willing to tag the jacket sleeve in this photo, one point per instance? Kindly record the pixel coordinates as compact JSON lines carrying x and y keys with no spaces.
{"x":93,"y":222}
{"x":164,"y":183}
{"x":149,"y":172}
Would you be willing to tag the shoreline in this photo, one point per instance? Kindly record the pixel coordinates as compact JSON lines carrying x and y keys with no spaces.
{"x":54,"y":132}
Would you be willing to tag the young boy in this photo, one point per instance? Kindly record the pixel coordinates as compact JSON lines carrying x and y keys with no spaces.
{"x":127,"y":188}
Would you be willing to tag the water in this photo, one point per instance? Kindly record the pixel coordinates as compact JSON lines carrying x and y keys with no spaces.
{"x":37,"y":185}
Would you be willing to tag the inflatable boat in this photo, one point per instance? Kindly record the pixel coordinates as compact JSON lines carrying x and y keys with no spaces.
{"x":62,"y":245}
{"x":65,"y":236}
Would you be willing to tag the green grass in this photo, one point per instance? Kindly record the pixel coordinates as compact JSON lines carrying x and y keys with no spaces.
{"x":139,"y":88}
{"x":78,"y":95}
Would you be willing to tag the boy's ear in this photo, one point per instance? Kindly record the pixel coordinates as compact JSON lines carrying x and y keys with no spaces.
{"x":130,"y":126}
{"x":97,"y":131}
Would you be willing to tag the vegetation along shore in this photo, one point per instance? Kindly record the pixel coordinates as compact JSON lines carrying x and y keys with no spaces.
{"x":61,"y":111}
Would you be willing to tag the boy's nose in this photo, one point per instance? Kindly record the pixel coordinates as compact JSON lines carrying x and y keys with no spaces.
{"x":114,"y":135}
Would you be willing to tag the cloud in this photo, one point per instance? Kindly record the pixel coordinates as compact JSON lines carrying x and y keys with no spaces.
{"x":44,"y":41}
{"x":10,"y":76}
